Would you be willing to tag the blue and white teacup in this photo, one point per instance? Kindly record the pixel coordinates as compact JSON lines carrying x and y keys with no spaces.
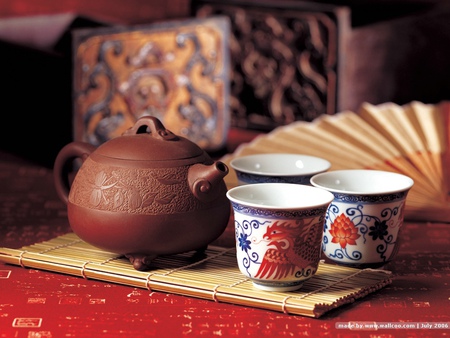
{"x":278,"y":168}
{"x":278,"y":228}
{"x":362,"y":224}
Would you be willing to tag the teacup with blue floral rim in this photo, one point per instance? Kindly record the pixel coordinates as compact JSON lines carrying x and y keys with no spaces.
{"x":278,"y":229}
{"x":278,"y":168}
{"x":362,"y":225}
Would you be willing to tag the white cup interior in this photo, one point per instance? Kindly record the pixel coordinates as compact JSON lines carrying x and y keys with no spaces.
{"x":280,"y":164}
{"x":279,"y":196}
{"x":362,"y":181}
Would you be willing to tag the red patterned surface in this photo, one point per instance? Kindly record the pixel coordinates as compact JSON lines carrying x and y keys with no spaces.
{"x":36,"y":303}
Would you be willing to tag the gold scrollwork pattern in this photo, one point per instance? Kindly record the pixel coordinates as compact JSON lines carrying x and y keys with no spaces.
{"x":177,"y":72}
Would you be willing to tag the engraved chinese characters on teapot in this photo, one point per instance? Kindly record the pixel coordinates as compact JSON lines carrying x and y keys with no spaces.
{"x":146,"y":193}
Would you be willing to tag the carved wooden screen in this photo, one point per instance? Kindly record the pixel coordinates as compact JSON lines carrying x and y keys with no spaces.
{"x":284,"y":60}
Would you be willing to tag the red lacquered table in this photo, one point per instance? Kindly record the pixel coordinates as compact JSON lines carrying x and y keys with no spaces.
{"x":37,"y":303}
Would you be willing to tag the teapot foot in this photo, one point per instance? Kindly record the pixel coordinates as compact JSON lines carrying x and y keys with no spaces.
{"x":141,"y":262}
{"x":200,"y":253}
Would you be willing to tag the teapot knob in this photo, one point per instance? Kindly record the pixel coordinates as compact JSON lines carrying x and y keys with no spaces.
{"x":153,"y":126}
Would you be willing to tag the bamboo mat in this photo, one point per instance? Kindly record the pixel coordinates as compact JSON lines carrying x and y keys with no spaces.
{"x":213,"y":276}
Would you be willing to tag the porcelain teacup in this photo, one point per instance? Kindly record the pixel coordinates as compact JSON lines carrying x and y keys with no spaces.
{"x":278,"y":168}
{"x":362,"y":224}
{"x":278,"y":229}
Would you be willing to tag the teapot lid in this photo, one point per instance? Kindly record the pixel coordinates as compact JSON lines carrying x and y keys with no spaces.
{"x":149,"y":140}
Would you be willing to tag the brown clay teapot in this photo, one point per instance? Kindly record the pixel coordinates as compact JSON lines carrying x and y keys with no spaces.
{"x":144,"y":194}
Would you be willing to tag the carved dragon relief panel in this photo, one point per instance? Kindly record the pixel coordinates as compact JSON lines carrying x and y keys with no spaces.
{"x":284,"y":63}
{"x":176,"y":71}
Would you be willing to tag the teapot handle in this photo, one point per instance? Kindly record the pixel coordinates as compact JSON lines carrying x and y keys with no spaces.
{"x":63,"y":165}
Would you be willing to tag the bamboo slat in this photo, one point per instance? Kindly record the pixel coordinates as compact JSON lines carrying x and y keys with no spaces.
{"x":213,"y":276}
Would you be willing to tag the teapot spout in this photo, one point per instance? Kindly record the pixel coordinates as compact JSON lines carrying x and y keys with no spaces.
{"x":206,"y":181}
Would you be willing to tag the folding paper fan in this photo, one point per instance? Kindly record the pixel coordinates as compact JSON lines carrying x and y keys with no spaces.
{"x":412,"y":139}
